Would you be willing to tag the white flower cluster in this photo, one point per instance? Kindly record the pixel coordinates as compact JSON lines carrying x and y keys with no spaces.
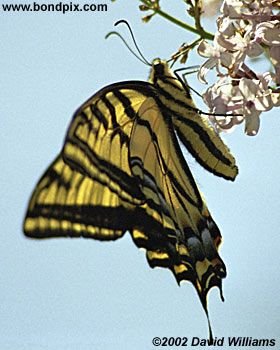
{"x":246,"y":29}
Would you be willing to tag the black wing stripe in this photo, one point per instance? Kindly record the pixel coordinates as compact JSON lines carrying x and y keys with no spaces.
{"x":112,"y":111}
{"x":173,"y":82}
{"x":126,"y":103}
{"x":96,"y":216}
{"x":150,"y":182}
{"x":171,"y":97}
{"x":121,"y":218}
{"x":192,"y":150}
{"x":126,"y":182}
{"x":174,"y":179}
{"x":204,"y":137}
{"x":99,"y":115}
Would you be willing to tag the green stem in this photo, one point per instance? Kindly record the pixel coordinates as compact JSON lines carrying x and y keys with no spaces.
{"x":203,"y":34}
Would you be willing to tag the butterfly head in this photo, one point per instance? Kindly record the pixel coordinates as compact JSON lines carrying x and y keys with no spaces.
{"x":162,"y":77}
{"x":161,"y":73}
{"x":160,"y":69}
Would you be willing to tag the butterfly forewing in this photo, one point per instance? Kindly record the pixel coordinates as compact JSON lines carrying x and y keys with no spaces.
{"x":98,"y":138}
{"x":89,"y":190}
{"x":67,"y":203}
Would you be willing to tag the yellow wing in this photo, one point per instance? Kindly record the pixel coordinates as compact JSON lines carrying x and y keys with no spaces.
{"x":188,"y":240}
{"x":67,"y":203}
{"x":120,"y":169}
{"x":88,"y":190}
{"x":194,"y":130}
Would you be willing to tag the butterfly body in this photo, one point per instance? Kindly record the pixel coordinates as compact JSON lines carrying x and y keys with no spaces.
{"x":121,"y":169}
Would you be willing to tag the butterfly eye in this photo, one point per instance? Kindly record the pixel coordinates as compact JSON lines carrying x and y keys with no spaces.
{"x":159,"y":67}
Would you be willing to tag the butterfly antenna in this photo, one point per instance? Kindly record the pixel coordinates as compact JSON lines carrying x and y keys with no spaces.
{"x":125,"y":43}
{"x":172,"y":60}
{"x":143,"y":58}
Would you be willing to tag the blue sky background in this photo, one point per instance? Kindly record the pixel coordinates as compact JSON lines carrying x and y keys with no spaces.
{"x":83,"y":294}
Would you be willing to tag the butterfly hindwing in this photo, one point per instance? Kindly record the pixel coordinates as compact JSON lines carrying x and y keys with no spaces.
{"x":191,"y":237}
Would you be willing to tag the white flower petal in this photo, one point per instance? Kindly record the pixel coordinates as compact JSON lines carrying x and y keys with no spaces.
{"x":252,"y":124}
{"x":275,"y":97}
{"x":207,"y":65}
{"x":226,"y":26}
{"x":227,"y":59}
{"x":274,"y":53}
{"x":264,"y":102}
{"x":248,"y":88}
{"x":254,"y":50}
{"x":269,"y":32}
{"x":205,"y":49}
